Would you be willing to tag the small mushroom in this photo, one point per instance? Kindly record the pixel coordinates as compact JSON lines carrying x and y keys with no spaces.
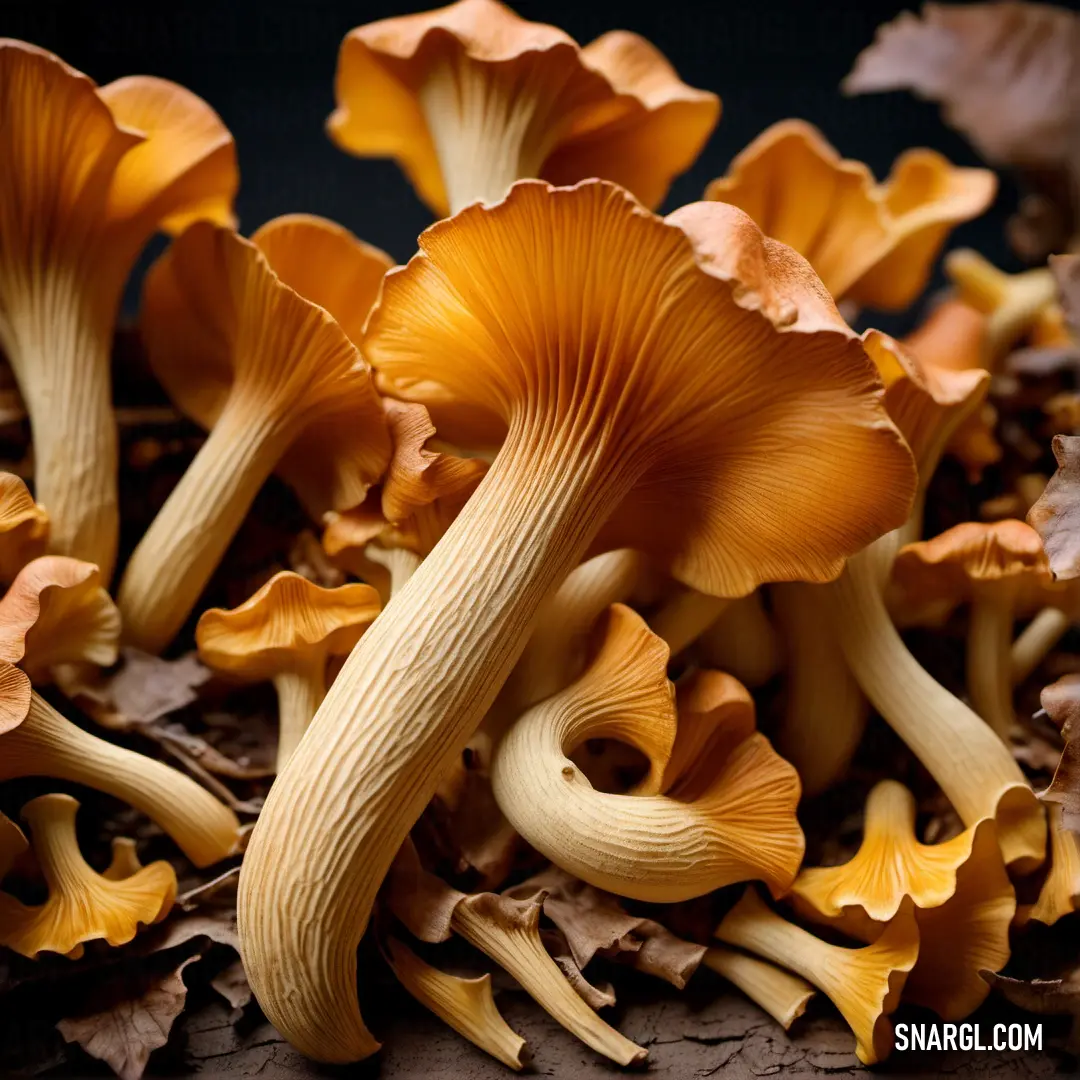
{"x":1060,"y":892}
{"x":781,"y":994}
{"x":82,"y":904}
{"x":718,"y":805}
{"x":384,"y":540}
{"x":507,"y":931}
{"x":57,"y":612}
{"x":24,"y":527}
{"x":35,"y":740}
{"x":864,"y":984}
{"x":963,"y":900}
{"x":92,"y":173}
{"x":467,"y":1005}
{"x":986,"y":565}
{"x":647,"y":372}
{"x":278,"y":381}
{"x":1014,"y":304}
{"x":874,"y":244}
{"x":285,"y":634}
{"x":471,"y":98}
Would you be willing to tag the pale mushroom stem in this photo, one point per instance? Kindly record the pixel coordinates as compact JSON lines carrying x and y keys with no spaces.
{"x":743,"y":642}
{"x":989,"y":660}
{"x":782,"y":995}
{"x":420,"y":682}
{"x":971,"y":764}
{"x":61,"y":359}
{"x":48,"y":744}
{"x":300,"y":692}
{"x":1036,"y":640}
{"x":825,"y":712}
{"x":685,"y":617}
{"x":523,"y":955}
{"x":400,"y":563}
{"x":186,"y":541}
{"x":488,"y":128}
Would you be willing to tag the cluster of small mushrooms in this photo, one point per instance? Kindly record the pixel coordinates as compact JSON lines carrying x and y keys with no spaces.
{"x":571,"y":449}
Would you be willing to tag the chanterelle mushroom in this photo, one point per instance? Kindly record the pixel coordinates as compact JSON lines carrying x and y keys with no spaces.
{"x":286,"y":632}
{"x":24,"y":527}
{"x":717,"y":809}
{"x":82,"y":904}
{"x":57,"y":612}
{"x":90,"y":174}
{"x":469,"y":98}
{"x":874,"y":244}
{"x":986,"y":564}
{"x":648,"y":371}
{"x":35,"y":740}
{"x":277,"y":379}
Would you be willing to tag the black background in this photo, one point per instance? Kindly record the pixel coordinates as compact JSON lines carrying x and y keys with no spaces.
{"x":268,"y":69}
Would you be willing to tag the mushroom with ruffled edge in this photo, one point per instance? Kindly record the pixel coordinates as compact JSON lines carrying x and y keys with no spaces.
{"x":622,"y":359}
{"x":24,"y":527}
{"x":508,"y":931}
{"x":964,"y":902}
{"x":277,"y":379}
{"x":873,"y":244}
{"x":717,"y":806}
{"x":57,"y":612}
{"x":82,"y":904}
{"x":35,"y":740}
{"x":384,"y":540}
{"x":988,"y":565}
{"x":864,"y":984}
{"x":286,"y":633}
{"x":825,"y":711}
{"x":92,"y":173}
{"x":470,"y":98}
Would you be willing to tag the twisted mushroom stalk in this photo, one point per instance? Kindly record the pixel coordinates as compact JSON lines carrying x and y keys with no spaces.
{"x":48,"y":744}
{"x":603,"y":386}
{"x":1036,"y":640}
{"x":974,"y":768}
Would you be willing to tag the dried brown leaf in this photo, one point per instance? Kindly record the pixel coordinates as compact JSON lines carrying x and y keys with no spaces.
{"x":1061,"y":700}
{"x":596,"y":995}
{"x":127,"y":1032}
{"x":1056,"y":513}
{"x":232,"y":984}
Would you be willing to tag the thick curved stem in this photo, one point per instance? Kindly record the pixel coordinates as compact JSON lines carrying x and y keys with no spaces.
{"x":299,"y":694}
{"x":1036,"y":641}
{"x":743,"y":642}
{"x":989,"y":661}
{"x":971,"y":764}
{"x":183,"y":546}
{"x":826,"y":711}
{"x":399,"y":563}
{"x":782,"y":995}
{"x":400,"y":711}
{"x":48,"y":744}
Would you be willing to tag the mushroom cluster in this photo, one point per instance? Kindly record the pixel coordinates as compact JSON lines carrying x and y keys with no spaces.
{"x":608,"y":565}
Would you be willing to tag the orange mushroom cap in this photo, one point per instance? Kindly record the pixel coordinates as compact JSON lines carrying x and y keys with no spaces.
{"x":871,"y":243}
{"x":670,"y":355}
{"x":288,"y":618}
{"x":218,"y":320}
{"x":58,"y":612}
{"x":937,"y":574}
{"x":24,"y":526}
{"x":441,"y":89}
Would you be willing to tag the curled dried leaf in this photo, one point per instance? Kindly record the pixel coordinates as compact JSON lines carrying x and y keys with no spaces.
{"x":1056,"y":513}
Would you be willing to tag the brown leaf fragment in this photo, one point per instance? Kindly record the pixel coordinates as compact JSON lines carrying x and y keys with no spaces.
{"x":217,"y":925}
{"x":664,"y":955}
{"x":125,"y":1034}
{"x":1056,"y":513}
{"x":1061,"y":700}
{"x":1064,"y":789}
{"x":1066,"y":270}
{"x":1048,"y":997}
{"x":597,"y":996}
